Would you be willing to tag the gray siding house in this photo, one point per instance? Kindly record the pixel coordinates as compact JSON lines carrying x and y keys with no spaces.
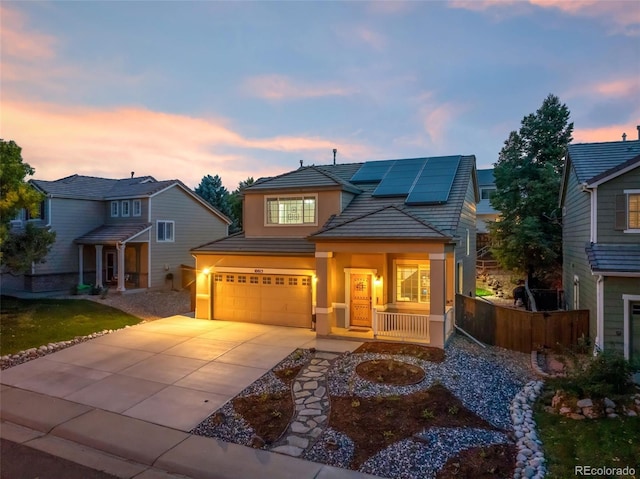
{"x":600,"y":200}
{"x":127,"y":233}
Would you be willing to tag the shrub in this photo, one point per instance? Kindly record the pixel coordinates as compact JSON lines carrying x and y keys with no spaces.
{"x":607,"y":374}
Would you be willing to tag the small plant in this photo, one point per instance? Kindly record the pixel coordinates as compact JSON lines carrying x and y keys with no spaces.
{"x":427,"y":414}
{"x":276,"y":414}
{"x":297,"y":354}
{"x":394,"y":397}
{"x":355,"y":403}
{"x":263,"y":397}
{"x":389,"y":412}
{"x":288,"y":372}
{"x":453,"y":410}
{"x":379,"y":378}
{"x":388,"y":435}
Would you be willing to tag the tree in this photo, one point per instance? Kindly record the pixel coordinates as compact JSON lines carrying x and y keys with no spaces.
{"x":528,"y":236}
{"x":211,"y":190}
{"x":236,"y":204}
{"x":19,"y":248}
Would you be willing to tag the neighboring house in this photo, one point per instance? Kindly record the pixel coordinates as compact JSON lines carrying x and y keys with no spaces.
{"x":128,"y":233}
{"x":600,"y":200}
{"x":349,"y":248}
{"x":485,"y":212}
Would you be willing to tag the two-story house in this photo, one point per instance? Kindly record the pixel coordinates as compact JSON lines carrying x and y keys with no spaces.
{"x":600,"y":200}
{"x":372,"y":248}
{"x":485,"y":213}
{"x":128,"y":233}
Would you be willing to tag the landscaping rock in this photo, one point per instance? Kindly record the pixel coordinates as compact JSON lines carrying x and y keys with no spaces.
{"x":582,"y":403}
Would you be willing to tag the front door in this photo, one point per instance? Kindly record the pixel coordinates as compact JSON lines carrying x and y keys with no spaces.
{"x":361,"y":300}
{"x":111,"y":268}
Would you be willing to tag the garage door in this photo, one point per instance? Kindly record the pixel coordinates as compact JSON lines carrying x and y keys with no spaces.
{"x":282,"y":300}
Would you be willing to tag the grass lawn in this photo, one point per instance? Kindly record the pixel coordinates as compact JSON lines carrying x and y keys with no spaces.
{"x":29,"y":323}
{"x":483,"y":292}
{"x":590,"y":442}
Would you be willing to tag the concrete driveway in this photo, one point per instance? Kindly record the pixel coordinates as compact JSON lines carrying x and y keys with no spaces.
{"x":137,"y":392}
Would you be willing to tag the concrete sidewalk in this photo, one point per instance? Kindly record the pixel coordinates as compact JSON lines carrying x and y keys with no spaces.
{"x":123,"y":403}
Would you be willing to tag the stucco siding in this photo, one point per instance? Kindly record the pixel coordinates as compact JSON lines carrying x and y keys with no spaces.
{"x":69,"y":219}
{"x":606,"y":208}
{"x":327,"y":204}
{"x":194,"y":224}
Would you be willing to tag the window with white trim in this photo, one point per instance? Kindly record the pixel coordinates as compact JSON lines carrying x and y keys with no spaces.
{"x":627,"y":217}
{"x":115,"y":208}
{"x":137,"y":207}
{"x":166,"y":231}
{"x":412,"y":283}
{"x":125,"y":208}
{"x":291,"y":210}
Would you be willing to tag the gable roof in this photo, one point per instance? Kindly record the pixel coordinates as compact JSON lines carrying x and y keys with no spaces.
{"x":238,"y":243}
{"x":89,"y":187}
{"x":104,"y":189}
{"x":304,"y":177}
{"x":486,"y":177}
{"x":593,"y":161}
{"x":618,"y":259}
{"x":113,"y":234}
{"x":443,"y":217}
{"x":388,"y":222}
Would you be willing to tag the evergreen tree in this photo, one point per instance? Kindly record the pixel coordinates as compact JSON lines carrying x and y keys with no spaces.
{"x":19,"y":248}
{"x":211,"y":190}
{"x":236,"y":205}
{"x":528,"y":236}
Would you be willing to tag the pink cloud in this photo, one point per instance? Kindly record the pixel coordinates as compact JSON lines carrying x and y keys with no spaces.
{"x":62,"y":140}
{"x":280,"y":87}
{"x":19,"y":42}
{"x":604,"y":134}
{"x":370,"y":37}
{"x":622,"y":16}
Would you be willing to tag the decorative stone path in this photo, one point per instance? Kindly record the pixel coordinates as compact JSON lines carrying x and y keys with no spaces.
{"x":311,"y":406}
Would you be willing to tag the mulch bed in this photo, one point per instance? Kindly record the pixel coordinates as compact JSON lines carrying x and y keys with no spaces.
{"x":489,"y":462}
{"x":390,"y":371}
{"x":425,"y":353}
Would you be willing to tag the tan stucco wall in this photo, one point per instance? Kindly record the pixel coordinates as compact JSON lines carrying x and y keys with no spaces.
{"x":254,"y":221}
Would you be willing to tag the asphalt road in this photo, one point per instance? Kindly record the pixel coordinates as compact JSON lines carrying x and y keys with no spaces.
{"x":22,"y":462}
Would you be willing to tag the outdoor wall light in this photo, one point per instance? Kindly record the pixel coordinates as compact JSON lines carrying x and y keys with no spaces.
{"x":378,"y":280}
{"x":206,"y":271}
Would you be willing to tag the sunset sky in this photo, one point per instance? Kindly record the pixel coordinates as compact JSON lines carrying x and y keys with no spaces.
{"x":185,"y":89}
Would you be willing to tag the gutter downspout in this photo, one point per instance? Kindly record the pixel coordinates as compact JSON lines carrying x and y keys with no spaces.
{"x":599,"y":341}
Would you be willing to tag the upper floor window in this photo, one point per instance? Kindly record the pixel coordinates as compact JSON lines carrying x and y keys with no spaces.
{"x":166,"y":231}
{"x":137,"y":208}
{"x":125,"y":208}
{"x":291,"y":210}
{"x":628,"y":211}
{"x":487,"y":193}
{"x":115,"y":209}
{"x":634,"y":211}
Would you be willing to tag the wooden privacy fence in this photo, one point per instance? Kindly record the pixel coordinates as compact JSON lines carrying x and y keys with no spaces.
{"x":520,"y":330}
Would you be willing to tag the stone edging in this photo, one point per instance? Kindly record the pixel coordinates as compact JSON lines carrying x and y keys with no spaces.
{"x":10,"y":360}
{"x":530,"y":458}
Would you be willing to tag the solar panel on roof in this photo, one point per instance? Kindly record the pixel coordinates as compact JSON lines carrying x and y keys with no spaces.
{"x":434,"y":183}
{"x":372,"y":171}
{"x":400,"y":178}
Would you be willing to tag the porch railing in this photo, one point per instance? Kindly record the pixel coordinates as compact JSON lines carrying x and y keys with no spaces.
{"x":401,"y":325}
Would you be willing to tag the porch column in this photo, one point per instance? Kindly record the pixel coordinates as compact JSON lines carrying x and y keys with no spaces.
{"x":80,"y":264}
{"x":324,"y":299}
{"x":120,"y":248}
{"x":438,"y":298}
{"x":99,"y":265}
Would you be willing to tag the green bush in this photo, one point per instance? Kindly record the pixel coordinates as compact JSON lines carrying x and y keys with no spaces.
{"x":607,"y":374}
